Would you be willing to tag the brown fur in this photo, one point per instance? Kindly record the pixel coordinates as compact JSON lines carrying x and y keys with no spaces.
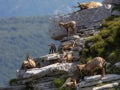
{"x":94,"y":64}
{"x":68,"y":25}
{"x":88,"y":5}
{"x":67,"y":58}
{"x":28,"y":64}
{"x":68,"y":46}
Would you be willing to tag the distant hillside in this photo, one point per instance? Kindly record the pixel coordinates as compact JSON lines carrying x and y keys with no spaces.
{"x":10,"y":8}
{"x":19,"y":36}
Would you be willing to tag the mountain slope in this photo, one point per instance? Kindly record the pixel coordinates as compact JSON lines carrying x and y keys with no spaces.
{"x":19,"y":36}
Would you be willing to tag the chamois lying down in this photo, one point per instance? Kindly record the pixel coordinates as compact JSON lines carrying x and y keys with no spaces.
{"x":88,"y":5}
{"x":28,"y":64}
{"x":68,"y":25}
{"x":93,"y":65}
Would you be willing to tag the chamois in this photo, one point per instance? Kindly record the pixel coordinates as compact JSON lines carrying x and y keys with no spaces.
{"x":69,"y":25}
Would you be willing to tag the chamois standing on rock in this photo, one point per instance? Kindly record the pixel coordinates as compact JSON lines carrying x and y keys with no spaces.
{"x":52,"y":48}
{"x":91,"y":66}
{"x":88,"y":5}
{"x":69,"y":25}
{"x":68,"y":46}
{"x":28,"y":63}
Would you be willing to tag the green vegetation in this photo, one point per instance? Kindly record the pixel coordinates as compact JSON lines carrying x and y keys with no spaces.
{"x":105,"y":44}
{"x":59,"y":82}
{"x":13,"y":82}
{"x":116,"y":7}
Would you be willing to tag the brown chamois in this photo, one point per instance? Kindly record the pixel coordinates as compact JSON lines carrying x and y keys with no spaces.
{"x":68,"y":46}
{"x":28,"y":63}
{"x":90,"y":67}
{"x":69,"y":25}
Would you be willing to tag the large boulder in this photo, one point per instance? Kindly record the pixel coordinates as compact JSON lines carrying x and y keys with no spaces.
{"x":53,"y":69}
{"x":94,"y":80}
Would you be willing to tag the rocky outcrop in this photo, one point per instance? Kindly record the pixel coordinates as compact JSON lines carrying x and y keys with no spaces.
{"x":53,"y":69}
{"x":93,"y":20}
{"x":88,"y":23}
{"x":95,"y":80}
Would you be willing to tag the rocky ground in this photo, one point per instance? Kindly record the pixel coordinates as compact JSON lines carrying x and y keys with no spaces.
{"x":50,"y":67}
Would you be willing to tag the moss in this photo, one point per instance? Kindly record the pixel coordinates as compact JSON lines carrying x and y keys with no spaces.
{"x":116,"y":7}
{"x":59,"y":82}
{"x":13,"y":82}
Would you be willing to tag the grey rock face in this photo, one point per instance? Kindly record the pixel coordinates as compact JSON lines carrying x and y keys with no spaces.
{"x":107,"y":86}
{"x":111,"y":2}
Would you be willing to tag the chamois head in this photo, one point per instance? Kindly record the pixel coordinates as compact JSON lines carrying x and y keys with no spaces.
{"x":81,"y":67}
{"x":61,"y":24}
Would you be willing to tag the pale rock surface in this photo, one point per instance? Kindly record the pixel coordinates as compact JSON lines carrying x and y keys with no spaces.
{"x":47,"y":70}
{"x":51,"y":56}
{"x":92,"y":78}
{"x":107,"y":78}
{"x":117,"y":64}
{"x":106,"y":86}
{"x":73,"y":37}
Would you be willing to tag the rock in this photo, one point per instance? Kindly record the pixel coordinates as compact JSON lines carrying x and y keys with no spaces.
{"x":19,"y":87}
{"x":116,"y":13}
{"x":73,"y":37}
{"x":51,"y":56}
{"x":45,"y":86}
{"x":117,"y":64}
{"x":65,"y":83}
{"x":106,"y":86}
{"x":107,"y":78}
{"x":50,"y":69}
{"x":19,"y":73}
{"x":92,"y":78}
{"x":111,"y":2}
{"x":66,"y":42}
{"x":110,"y":77}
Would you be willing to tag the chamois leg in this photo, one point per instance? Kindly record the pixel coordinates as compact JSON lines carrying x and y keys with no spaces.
{"x":67,"y":32}
{"x":103,"y":72}
{"x":74,"y":30}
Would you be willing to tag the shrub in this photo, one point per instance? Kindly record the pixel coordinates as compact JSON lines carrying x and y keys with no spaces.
{"x":58,"y":82}
{"x":13,"y":82}
{"x":116,"y":7}
{"x":106,"y":43}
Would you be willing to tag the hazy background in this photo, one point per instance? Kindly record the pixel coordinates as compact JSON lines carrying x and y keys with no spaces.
{"x":24,"y":29}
